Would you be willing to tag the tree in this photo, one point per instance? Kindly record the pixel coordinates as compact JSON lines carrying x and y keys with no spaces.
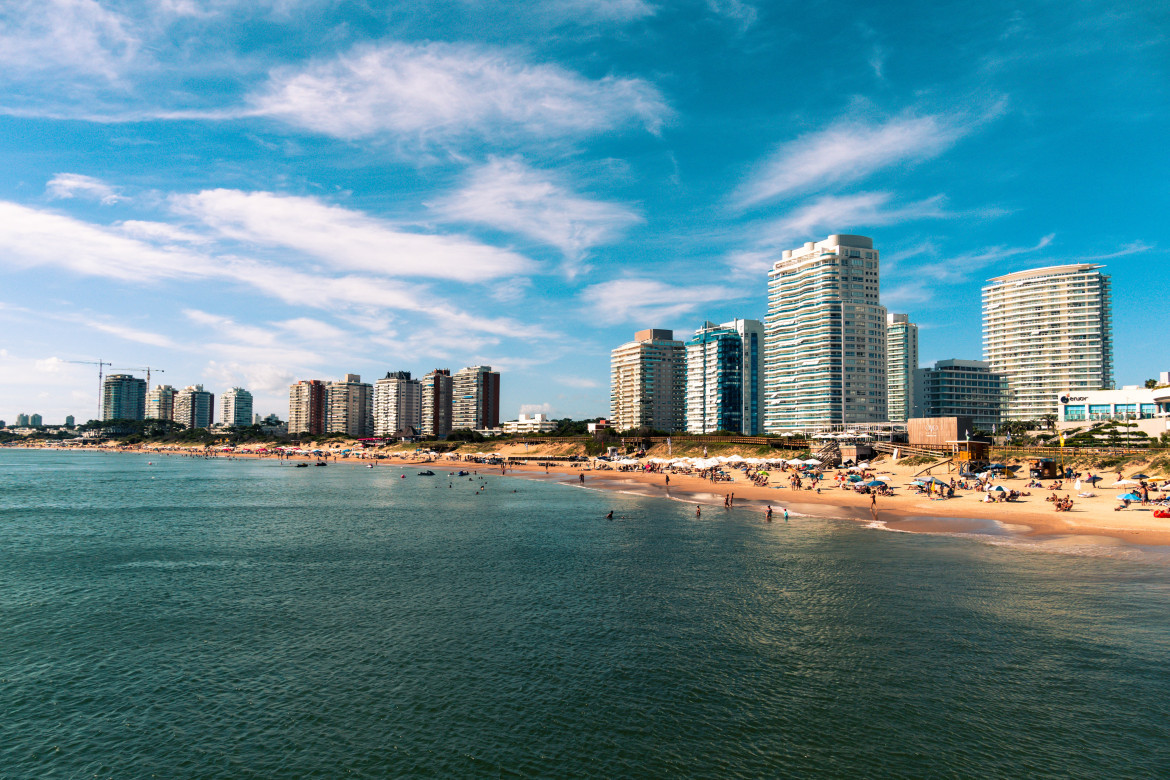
{"x":1049,"y":421}
{"x":1151,"y":384}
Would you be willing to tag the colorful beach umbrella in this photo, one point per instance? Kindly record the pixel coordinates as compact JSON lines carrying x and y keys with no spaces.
{"x":1129,"y":497}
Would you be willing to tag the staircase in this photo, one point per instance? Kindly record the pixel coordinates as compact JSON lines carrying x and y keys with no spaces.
{"x":830,"y":453}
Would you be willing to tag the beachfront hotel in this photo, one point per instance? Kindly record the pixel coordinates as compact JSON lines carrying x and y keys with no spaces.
{"x":825,"y":337}
{"x":123,"y":397}
{"x":307,"y":411}
{"x":397,"y":403}
{"x":475,"y":399}
{"x":350,"y":404}
{"x":725,"y":377}
{"x":901,"y":363}
{"x":648,"y":382}
{"x":1048,"y":330}
{"x":237,"y":408}
{"x":195,"y":407}
{"x":160,"y":403}
{"x":960,"y":388}
{"x":436,"y":403}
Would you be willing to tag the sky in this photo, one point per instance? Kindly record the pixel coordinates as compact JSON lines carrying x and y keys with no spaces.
{"x":252,"y":192}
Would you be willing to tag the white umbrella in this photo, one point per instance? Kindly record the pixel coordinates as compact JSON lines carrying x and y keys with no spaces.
{"x":795,"y":462}
{"x":812,"y":462}
{"x":1124,"y":482}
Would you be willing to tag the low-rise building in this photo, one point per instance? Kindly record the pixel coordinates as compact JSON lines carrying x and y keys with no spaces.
{"x":529,"y":423}
{"x":1148,"y":409}
{"x":960,"y":388}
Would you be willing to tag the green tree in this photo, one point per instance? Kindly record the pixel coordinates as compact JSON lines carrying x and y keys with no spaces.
{"x":1151,"y":384}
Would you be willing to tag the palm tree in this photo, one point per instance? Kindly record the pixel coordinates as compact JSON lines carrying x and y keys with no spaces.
{"x":1049,"y":421}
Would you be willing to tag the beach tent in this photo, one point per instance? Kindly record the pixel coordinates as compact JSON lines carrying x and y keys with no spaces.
{"x":997,"y":489}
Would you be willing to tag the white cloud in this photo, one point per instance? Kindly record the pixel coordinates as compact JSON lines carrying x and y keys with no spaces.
{"x":647,"y":301}
{"x":544,"y":408}
{"x":609,"y":10}
{"x":72,"y":185}
{"x":78,"y":37}
{"x":743,"y":14}
{"x":434,"y":92}
{"x":508,"y":195}
{"x":847,"y":214}
{"x":161,"y":232}
{"x":844,"y":152}
{"x":346,"y":239}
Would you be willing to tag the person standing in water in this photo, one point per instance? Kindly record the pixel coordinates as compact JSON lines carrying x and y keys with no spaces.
{"x":698,"y":510}
{"x":768,"y":515}
{"x":786,"y":514}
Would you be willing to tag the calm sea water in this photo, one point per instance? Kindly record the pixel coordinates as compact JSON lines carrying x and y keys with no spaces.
{"x":215,"y":619}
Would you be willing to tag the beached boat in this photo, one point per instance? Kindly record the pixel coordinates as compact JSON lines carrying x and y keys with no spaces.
{"x":427,"y":473}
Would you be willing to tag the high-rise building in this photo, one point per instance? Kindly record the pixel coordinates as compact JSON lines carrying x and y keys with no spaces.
{"x":307,"y":408}
{"x":436,"y":403}
{"x":123,"y":397}
{"x":160,"y":403}
{"x":1048,"y":330}
{"x":397,"y":403}
{"x":901,"y":363}
{"x":22,"y":420}
{"x":237,"y":408}
{"x":36,"y":421}
{"x":960,"y":388}
{"x":351,"y":407}
{"x":725,"y":378}
{"x":648,"y":382}
{"x":825,"y":337}
{"x":69,"y":422}
{"x":475,"y":398}
{"x":194,"y":407}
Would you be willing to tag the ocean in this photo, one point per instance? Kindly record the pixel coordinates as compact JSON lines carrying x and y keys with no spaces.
{"x":179,"y":617}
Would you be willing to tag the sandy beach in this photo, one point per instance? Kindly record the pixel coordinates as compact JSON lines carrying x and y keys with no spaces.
{"x":906,"y":510}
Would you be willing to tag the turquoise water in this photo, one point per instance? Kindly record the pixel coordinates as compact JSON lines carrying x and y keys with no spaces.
{"x":242,"y":619}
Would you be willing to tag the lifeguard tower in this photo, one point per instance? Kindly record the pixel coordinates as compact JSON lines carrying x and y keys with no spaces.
{"x":971,"y":457}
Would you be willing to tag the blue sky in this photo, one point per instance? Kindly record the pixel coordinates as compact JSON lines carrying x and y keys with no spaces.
{"x":256,"y":192}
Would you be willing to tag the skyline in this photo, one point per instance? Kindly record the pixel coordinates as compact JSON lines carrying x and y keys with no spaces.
{"x":251,"y":194}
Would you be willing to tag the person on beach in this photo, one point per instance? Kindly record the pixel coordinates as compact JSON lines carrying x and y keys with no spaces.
{"x":873,"y":500}
{"x":582,"y":478}
{"x":668,"y":479}
{"x":768,"y":514}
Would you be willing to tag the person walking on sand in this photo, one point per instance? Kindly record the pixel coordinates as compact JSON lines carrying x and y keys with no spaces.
{"x":873,"y":500}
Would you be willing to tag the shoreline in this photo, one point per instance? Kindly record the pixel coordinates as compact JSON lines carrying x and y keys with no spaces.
{"x":1030,"y":517}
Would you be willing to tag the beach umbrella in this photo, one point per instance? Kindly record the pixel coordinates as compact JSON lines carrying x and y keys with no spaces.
{"x":1129,"y":497}
{"x":875,"y":483}
{"x":937,"y":481}
{"x":854,"y":477}
{"x":1124,"y":482}
{"x":1094,"y":478}
{"x":795,"y":462}
{"x":1139,"y":476}
{"x":812,"y":462}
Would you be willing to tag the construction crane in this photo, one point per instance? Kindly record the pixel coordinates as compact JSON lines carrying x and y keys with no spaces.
{"x":101,"y":364}
{"x":147,"y":369}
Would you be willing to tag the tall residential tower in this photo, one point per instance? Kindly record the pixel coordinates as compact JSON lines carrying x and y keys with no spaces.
{"x":1048,"y":331}
{"x":123,"y":397}
{"x":648,"y":379}
{"x":901,"y":363}
{"x":475,"y":398}
{"x":436,"y":403}
{"x":725,"y":378}
{"x":825,"y":337}
{"x":397,"y":404}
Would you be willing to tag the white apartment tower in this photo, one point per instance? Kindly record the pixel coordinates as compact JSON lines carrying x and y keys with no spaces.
{"x":195,"y":407}
{"x":725,"y":378}
{"x":475,"y":398}
{"x":901,"y":363}
{"x":1048,"y":331}
{"x":237,"y":408}
{"x":397,"y":404}
{"x":825,"y":337}
{"x":648,"y":382}
{"x":160,"y":403}
{"x":350,"y":407}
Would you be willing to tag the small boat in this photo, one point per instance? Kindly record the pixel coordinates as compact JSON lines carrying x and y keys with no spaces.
{"x":369,"y":465}
{"x":302,"y":465}
{"x":427,"y":473}
{"x":320,"y":463}
{"x":463,"y":474}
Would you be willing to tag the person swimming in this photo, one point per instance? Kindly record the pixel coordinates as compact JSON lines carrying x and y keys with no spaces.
{"x":610,"y":515}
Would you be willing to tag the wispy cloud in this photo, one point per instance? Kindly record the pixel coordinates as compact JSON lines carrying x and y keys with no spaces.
{"x":847,"y":213}
{"x":649,"y":301}
{"x":70,"y":38}
{"x":743,"y":14}
{"x":347,"y":239}
{"x":607,"y":10}
{"x":438,"y":92}
{"x":75,"y":185}
{"x":508,"y":195}
{"x":845,"y":152}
